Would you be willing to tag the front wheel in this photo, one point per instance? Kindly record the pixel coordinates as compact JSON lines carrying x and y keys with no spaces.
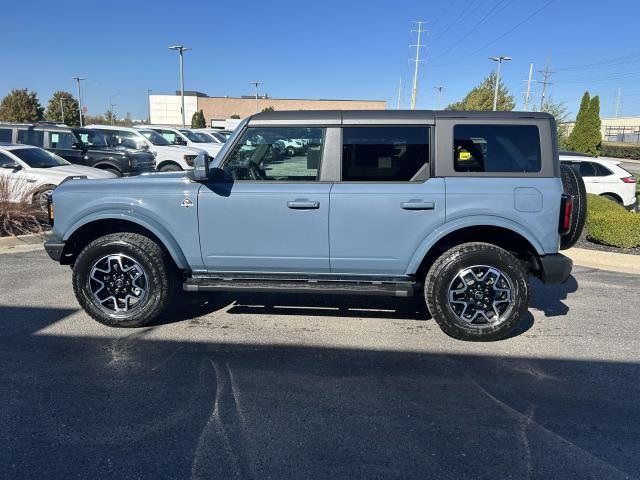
{"x":123,"y":280}
{"x":477,"y":291}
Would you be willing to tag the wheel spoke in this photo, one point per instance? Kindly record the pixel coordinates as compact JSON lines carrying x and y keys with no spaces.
{"x":117,"y":283}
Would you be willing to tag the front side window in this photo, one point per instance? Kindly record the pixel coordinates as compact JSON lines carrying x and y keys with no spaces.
{"x":92,"y":138}
{"x":31,"y":137}
{"x":277,"y":153}
{"x":61,"y":140}
{"x":193,"y":136}
{"x":39,"y":158}
{"x":496,"y":148}
{"x":388,"y":154}
{"x":169,"y":136}
{"x":5,"y":135}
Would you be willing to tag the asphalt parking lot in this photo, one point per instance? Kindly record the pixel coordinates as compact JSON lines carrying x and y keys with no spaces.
{"x":285,"y":386}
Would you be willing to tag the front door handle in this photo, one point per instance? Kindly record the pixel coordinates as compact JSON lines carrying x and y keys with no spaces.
{"x":303,"y":205}
{"x":418,"y":205}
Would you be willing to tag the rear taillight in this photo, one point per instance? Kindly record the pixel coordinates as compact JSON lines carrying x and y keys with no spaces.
{"x":566,"y":213}
{"x":629,"y":179}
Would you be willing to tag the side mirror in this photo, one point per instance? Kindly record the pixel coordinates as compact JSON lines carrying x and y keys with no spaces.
{"x":78,"y":145}
{"x":12,"y":166}
{"x":201,"y":168}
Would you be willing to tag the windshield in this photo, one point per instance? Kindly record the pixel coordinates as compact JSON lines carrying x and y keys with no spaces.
{"x":155,"y":137}
{"x":192,"y":136}
{"x":92,"y":138}
{"x":205,"y":136}
{"x":218,"y":136}
{"x":39,"y":158}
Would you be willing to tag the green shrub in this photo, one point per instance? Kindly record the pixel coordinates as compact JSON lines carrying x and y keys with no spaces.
{"x":620,"y":150}
{"x":610,"y":224}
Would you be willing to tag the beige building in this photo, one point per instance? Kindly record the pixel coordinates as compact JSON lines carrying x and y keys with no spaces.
{"x":165,"y":109}
{"x":617,"y":129}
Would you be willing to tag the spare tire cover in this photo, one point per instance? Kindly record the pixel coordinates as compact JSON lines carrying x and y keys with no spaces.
{"x":574,"y":185}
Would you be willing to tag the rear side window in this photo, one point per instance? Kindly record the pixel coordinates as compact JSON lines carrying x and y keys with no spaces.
{"x":61,"y":140}
{"x":385,"y":154}
{"x":31,"y":137}
{"x":496,"y":148}
{"x":5,"y":135}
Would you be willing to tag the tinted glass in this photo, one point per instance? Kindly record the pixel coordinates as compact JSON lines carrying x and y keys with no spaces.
{"x":601,"y":170}
{"x":154,"y":137}
{"x":194,"y":137}
{"x":168,"y":135}
{"x":39,"y":158}
{"x":286,"y":154}
{"x":587,"y":169}
{"x":92,"y":138}
{"x":62,"y":140}
{"x":5,"y":135}
{"x":392,"y":154}
{"x":31,"y":137}
{"x":496,"y":148}
{"x":6,"y":160}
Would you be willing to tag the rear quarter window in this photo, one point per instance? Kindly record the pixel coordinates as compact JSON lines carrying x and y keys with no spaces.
{"x":31,"y":137}
{"x":496,"y":148}
{"x":5,"y":135}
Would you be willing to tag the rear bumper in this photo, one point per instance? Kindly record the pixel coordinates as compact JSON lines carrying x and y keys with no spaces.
{"x":554,"y":268}
{"x":54,"y":248}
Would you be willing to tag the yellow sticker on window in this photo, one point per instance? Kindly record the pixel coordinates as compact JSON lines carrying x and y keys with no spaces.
{"x":464,"y":155}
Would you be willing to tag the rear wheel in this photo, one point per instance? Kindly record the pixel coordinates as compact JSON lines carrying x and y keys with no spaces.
{"x":574,"y":185}
{"x":123,"y":280}
{"x":477,"y":291}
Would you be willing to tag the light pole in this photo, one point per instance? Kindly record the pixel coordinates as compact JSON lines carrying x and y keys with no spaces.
{"x":256,"y":84}
{"x":148,"y":105}
{"x":499,"y":60}
{"x":111,"y":107}
{"x":181,"y":49}
{"x":78,"y":80}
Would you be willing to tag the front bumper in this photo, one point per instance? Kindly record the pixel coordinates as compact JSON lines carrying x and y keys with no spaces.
{"x":554,"y":268}
{"x":54,"y":248}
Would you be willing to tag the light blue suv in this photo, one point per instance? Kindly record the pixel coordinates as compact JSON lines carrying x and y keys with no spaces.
{"x":461,"y":206}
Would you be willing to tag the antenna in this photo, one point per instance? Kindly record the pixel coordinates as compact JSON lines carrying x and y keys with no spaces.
{"x":418,"y":46}
{"x":256,"y":84}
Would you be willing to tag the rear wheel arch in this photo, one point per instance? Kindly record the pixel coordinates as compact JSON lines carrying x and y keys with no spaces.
{"x":168,"y":163}
{"x":108,"y":166}
{"x":613,"y":196}
{"x":508,"y":239}
{"x":91,"y":230}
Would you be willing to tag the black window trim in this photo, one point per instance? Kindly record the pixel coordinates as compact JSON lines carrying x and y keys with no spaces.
{"x":429,"y":171}
{"x":232,"y":149}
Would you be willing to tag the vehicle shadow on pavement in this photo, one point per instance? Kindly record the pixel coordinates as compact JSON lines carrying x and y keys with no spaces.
{"x":130,"y":407}
{"x":549,"y":298}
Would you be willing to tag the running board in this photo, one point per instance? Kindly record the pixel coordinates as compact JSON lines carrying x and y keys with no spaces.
{"x":387,"y":286}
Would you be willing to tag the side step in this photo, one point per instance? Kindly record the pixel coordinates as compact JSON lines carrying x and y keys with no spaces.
{"x":387,"y":286}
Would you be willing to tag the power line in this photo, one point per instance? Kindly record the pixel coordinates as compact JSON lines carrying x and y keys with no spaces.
{"x":474,"y":5}
{"x":444,"y":14}
{"x":414,"y":92}
{"x":612,"y":61}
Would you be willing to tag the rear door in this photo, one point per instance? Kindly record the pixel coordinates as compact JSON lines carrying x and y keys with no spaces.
{"x":270,"y":213}
{"x":385,"y":203}
{"x":62,"y":143}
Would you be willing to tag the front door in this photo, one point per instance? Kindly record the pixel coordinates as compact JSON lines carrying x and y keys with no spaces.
{"x":269,"y":213}
{"x":65,"y":145}
{"x":386,"y":204}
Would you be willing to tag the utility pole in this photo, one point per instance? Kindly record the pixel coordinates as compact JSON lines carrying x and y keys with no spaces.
{"x":499,"y":61}
{"x":111,"y":108}
{"x":527,"y":96}
{"x":618,"y":98}
{"x":439,"y":89}
{"x":399,"y":93}
{"x":256,"y":84}
{"x":418,"y":46}
{"x":78,"y":80}
{"x":62,"y":109}
{"x":181,"y":49}
{"x":546,"y":73}
{"x":148,"y":105}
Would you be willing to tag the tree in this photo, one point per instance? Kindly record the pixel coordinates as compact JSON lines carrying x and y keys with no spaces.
{"x":110,"y":117}
{"x":559,"y":112}
{"x":235,"y":115}
{"x":481,"y":97}
{"x":62,"y":107}
{"x":585,"y":136}
{"x":197,"y":120}
{"x":268,"y":109}
{"x":21,"y":106}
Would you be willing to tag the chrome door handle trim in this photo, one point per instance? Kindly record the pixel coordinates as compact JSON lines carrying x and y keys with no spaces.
{"x":303,"y":205}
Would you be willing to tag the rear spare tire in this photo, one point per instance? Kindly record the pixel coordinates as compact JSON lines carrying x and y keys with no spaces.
{"x":574,"y":185}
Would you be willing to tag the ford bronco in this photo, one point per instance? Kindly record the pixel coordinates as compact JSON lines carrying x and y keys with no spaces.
{"x":459,"y":206}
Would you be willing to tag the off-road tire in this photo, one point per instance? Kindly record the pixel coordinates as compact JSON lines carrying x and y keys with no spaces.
{"x":449,"y":264}
{"x":115,"y":171}
{"x":161,"y":282}
{"x":573,"y":185}
{"x":170,"y":167}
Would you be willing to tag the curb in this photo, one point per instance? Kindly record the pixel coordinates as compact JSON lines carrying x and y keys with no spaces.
{"x":616,"y":262}
{"x":22,"y":243}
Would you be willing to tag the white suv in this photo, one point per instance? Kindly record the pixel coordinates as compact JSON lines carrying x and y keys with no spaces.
{"x":183,"y":136}
{"x":169,"y":157}
{"x":604,"y":177}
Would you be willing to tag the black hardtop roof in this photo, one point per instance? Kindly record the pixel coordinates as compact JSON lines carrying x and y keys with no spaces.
{"x":346,"y":117}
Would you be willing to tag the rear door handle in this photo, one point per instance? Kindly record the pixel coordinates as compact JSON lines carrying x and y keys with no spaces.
{"x":303,"y":205}
{"x":417,"y":205}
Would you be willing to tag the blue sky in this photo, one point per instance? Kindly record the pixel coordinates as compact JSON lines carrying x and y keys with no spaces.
{"x":319,"y":49}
